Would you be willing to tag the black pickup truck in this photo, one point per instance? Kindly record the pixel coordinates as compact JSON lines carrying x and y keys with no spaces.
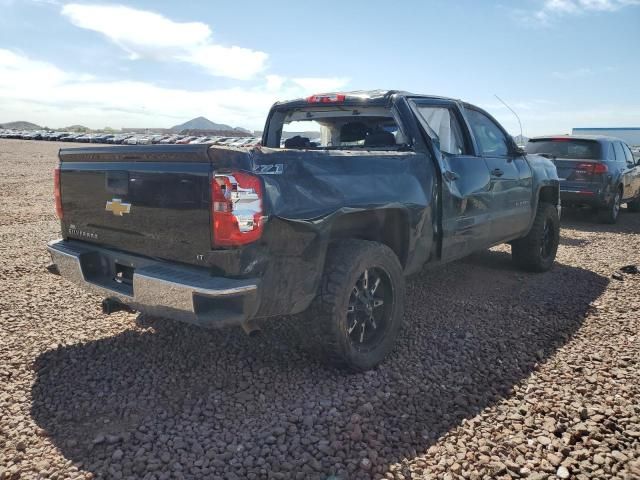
{"x":348,"y":194}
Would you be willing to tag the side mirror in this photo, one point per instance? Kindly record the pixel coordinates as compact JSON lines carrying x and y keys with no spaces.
{"x":517,"y":151}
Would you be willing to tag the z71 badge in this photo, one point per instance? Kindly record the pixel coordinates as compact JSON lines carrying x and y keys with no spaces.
{"x":275,"y":169}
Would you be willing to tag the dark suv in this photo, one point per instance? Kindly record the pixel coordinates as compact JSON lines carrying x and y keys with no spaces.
{"x":595,"y":171}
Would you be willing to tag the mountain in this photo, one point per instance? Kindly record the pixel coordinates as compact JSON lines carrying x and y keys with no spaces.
{"x":201,"y":123}
{"x":21,"y":126}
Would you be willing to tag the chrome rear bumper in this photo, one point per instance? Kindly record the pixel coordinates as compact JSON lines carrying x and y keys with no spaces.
{"x":158,"y":288}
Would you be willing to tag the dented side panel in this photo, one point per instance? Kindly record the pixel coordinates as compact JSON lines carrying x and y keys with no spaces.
{"x":313,"y":197}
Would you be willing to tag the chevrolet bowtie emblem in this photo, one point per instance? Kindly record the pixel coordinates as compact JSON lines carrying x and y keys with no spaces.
{"x":117,"y":207}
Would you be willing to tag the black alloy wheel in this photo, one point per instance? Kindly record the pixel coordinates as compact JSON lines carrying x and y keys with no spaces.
{"x":370,"y":304}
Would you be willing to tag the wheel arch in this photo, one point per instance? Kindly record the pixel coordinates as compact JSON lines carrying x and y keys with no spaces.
{"x":549,"y":194}
{"x":389,"y":226}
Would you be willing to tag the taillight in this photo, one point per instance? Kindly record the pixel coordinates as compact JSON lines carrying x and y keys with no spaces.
{"x":236,"y":208}
{"x":330,"y":98}
{"x":591,"y":168}
{"x":56,"y":192}
{"x":600,"y":168}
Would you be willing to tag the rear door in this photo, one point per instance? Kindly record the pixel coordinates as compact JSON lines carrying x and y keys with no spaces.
{"x":465,"y":193}
{"x":151,"y":200}
{"x":511,"y":187}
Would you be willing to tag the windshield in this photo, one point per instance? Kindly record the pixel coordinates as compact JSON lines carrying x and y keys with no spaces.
{"x":334,"y":127}
{"x":565,"y":148}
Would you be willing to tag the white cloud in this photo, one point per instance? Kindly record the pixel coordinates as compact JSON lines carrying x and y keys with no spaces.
{"x":275,"y":82}
{"x":233,"y":62}
{"x":144,"y":34}
{"x":555,"y":8}
{"x":41,"y":92}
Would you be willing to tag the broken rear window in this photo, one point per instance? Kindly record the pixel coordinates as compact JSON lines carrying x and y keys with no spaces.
{"x":334,"y":127}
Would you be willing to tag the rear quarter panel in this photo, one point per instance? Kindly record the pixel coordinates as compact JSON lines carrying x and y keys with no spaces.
{"x":308,"y":192}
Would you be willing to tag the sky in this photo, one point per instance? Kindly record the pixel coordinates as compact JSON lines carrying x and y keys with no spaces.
{"x":558,"y":63}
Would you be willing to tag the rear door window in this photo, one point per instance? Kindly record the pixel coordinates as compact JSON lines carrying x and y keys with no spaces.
{"x":446,"y":128}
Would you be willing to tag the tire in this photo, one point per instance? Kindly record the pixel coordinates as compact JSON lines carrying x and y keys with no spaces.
{"x":609,"y":214}
{"x":537,"y":251}
{"x":347,"y":335}
{"x":634,"y":205}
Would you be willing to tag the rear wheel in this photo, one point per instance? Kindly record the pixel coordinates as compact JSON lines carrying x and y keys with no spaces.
{"x":537,"y":251}
{"x":609,"y":214}
{"x":358,"y":312}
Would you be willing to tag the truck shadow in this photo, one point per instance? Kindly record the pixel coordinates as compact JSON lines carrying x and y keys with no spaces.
{"x":568,"y":241}
{"x":174,"y":398}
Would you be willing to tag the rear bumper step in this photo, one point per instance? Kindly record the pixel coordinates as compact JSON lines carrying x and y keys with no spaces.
{"x":157,"y":288}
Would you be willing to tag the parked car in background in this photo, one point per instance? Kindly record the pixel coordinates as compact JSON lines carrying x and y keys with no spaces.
{"x":32,"y":136}
{"x":599,"y":172}
{"x":101,"y":138}
{"x":227,"y":141}
{"x":170,"y":139}
{"x":59,"y":136}
{"x":238,"y":142}
{"x":117,"y":138}
{"x":86,"y":138}
{"x":185,"y":140}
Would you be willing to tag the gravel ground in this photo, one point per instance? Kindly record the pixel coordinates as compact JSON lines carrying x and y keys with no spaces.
{"x":497,"y":374}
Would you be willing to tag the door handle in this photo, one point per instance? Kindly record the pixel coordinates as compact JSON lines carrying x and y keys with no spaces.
{"x":451,"y":176}
{"x":496,"y":172}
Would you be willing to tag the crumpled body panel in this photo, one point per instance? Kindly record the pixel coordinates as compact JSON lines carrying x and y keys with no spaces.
{"x":313,"y":197}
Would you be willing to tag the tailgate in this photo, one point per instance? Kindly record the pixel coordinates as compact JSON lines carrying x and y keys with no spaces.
{"x":149,"y":200}
{"x":577,"y":170}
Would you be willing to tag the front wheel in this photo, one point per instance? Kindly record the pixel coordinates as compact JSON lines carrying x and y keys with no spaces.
{"x":358,"y":312}
{"x":537,"y":251}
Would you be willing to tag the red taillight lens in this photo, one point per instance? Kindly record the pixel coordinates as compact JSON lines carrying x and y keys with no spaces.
{"x":56,"y":192}
{"x":600,"y":168}
{"x":591,"y":168}
{"x":332,"y":98}
{"x":236,"y":209}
